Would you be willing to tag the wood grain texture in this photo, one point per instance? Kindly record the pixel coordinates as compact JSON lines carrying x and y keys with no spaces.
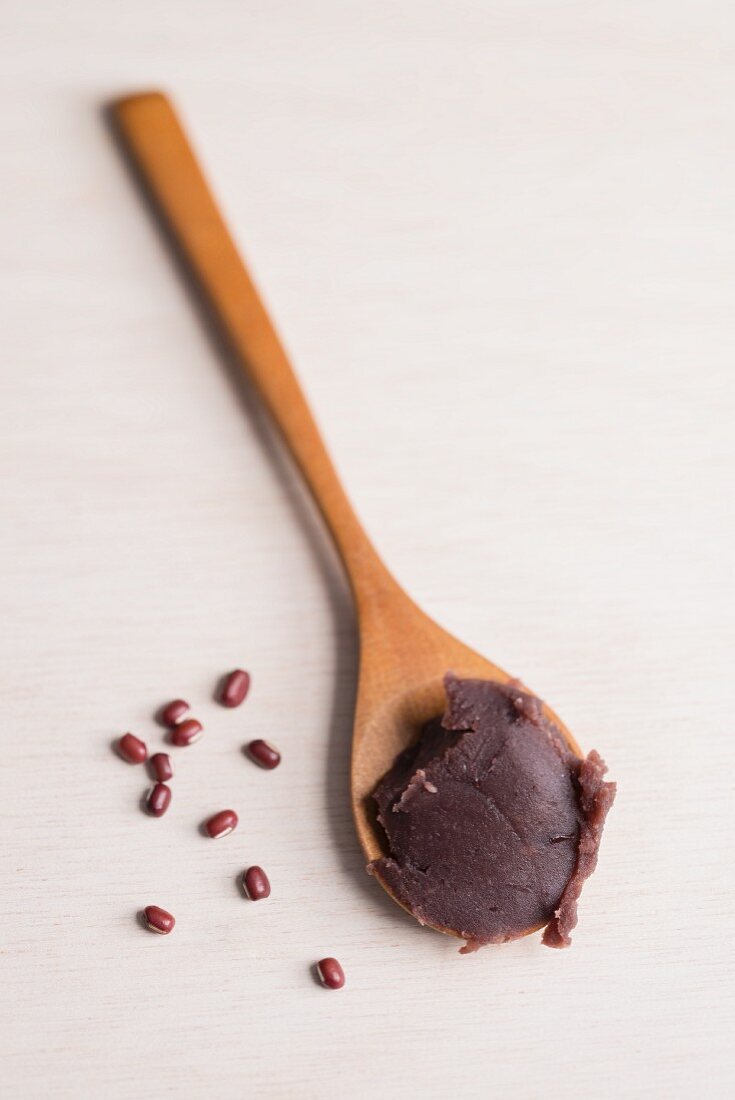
{"x":496,"y":241}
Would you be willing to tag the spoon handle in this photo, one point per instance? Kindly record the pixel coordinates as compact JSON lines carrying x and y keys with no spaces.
{"x":160,"y":150}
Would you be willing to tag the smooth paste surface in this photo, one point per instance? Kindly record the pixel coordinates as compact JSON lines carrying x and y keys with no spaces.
{"x":492,"y":823}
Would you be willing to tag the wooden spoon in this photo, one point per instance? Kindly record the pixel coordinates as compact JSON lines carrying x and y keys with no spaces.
{"x":403,"y":653}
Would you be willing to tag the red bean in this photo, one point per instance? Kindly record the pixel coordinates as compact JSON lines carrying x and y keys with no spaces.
{"x":158,"y":800}
{"x":264,"y":754}
{"x":132,"y":749}
{"x":161,"y":767}
{"x":186,"y":733}
{"x":221,"y":824}
{"x":158,"y":920}
{"x":255,"y":883}
{"x":330,"y":973}
{"x":235,"y":688}
{"x":173,"y":712}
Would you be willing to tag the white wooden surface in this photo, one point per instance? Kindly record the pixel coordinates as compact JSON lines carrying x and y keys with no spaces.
{"x":498,"y":239}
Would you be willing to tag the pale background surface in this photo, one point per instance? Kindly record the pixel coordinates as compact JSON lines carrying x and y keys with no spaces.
{"x":498,"y":239}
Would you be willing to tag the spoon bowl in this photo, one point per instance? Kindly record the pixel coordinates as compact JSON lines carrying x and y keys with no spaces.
{"x":404,"y":657}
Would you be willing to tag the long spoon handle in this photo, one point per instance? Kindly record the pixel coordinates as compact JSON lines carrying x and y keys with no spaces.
{"x":165,"y":160}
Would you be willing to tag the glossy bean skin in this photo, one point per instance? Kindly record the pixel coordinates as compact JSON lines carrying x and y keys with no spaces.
{"x":161,"y":767}
{"x":235,"y":688}
{"x":221,"y":824}
{"x":255,"y":884}
{"x":132,"y":749}
{"x":331,"y":974}
{"x":186,"y":733}
{"x":264,"y":754}
{"x":158,"y":920}
{"x":173,"y":712}
{"x":158,"y":800}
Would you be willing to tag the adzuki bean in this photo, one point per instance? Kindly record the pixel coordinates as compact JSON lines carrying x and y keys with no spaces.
{"x":186,"y":733}
{"x":132,"y":749}
{"x":264,"y":754}
{"x":221,"y":824}
{"x":235,"y":688}
{"x":158,"y":920}
{"x":161,"y":767}
{"x":158,"y":800}
{"x":330,"y":973}
{"x":173,"y":712}
{"x":255,"y":884}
